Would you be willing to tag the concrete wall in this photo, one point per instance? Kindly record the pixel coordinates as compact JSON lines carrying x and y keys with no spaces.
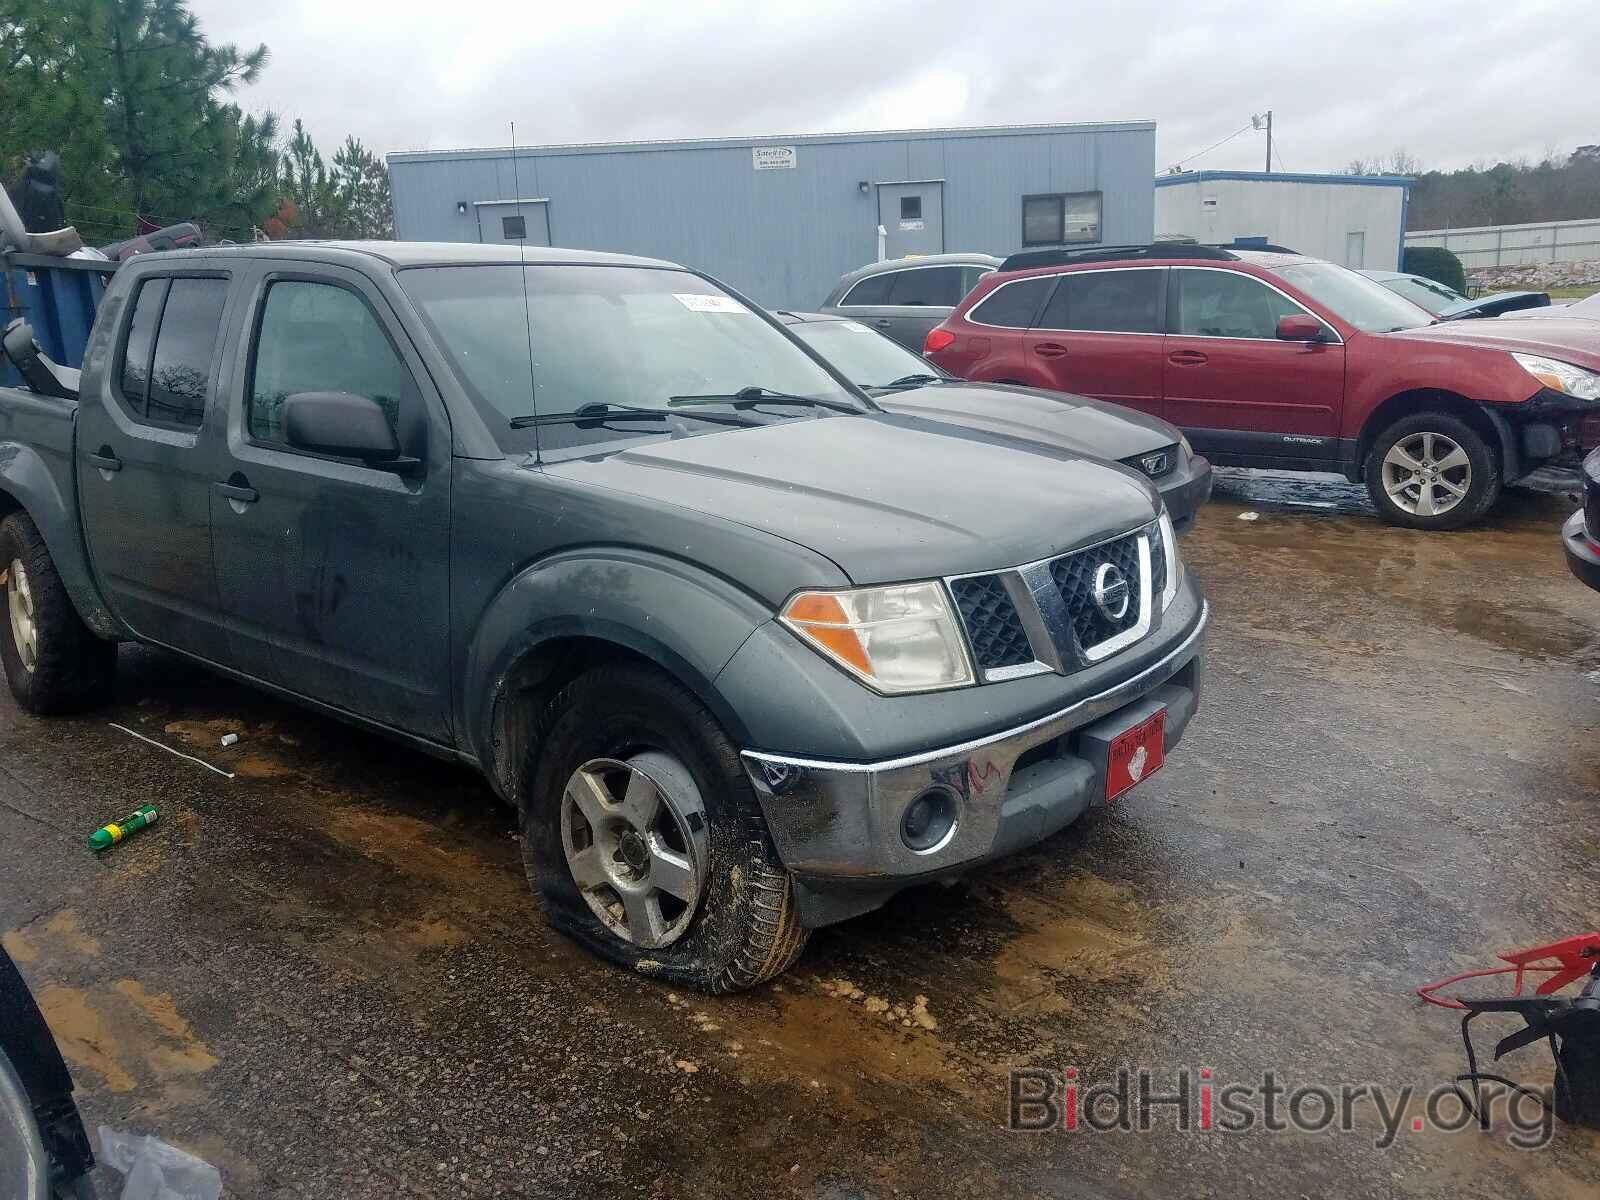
{"x":1314,"y":214}
{"x":782,"y":236}
{"x":1516,"y":245}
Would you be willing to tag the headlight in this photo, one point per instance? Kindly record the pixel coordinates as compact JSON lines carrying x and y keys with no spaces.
{"x":900,"y":638}
{"x":1169,"y":546}
{"x":1561,"y":376}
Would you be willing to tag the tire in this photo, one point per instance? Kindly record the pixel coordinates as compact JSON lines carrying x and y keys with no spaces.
{"x":53,"y":663}
{"x":739,"y":927}
{"x":1435,"y":495}
{"x":1577,"y":1083}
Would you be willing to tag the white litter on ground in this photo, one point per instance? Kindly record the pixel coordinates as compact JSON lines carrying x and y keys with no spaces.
{"x":1249,"y":516}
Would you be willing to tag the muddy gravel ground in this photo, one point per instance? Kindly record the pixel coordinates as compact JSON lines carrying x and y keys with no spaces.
{"x":327,"y":975}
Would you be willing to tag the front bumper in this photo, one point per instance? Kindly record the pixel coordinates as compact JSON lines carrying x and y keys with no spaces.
{"x":1185,"y":490}
{"x":1583,"y":555}
{"x":836,"y":825}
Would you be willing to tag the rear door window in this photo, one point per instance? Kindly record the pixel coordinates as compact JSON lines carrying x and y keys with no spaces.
{"x":180,"y":372}
{"x":1106,"y":302}
{"x":874,"y":289}
{"x":1013,"y":305}
{"x":928,"y":286}
{"x":1227,"y":304}
{"x":171,"y":344}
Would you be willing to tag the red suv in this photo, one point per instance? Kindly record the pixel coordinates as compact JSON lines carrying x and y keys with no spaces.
{"x":1267,"y":358}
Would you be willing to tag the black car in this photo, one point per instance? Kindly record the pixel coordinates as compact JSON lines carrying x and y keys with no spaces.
{"x":1583,"y":549}
{"x":906,"y":383}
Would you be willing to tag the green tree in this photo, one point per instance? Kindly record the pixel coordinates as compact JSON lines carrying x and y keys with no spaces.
{"x":350,"y":199}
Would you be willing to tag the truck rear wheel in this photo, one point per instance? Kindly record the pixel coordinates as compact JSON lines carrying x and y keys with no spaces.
{"x":1432,"y":470}
{"x":53,"y":663}
{"x":645,"y":839}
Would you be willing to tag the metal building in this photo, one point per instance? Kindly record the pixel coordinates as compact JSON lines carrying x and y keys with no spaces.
{"x":781,"y":218}
{"x":1357,"y":220}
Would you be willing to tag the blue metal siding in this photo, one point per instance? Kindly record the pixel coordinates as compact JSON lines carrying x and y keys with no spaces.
{"x":782,"y":236}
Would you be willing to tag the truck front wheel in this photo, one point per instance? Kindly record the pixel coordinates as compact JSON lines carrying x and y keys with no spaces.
{"x":645,"y":838}
{"x":53,"y":663}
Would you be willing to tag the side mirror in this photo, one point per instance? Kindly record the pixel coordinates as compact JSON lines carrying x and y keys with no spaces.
{"x":1299,"y":327}
{"x":341,"y":424}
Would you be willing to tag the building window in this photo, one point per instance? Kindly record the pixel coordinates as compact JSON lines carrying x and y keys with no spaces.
{"x":1060,"y":218}
{"x":514,"y":227}
{"x":911,"y":208}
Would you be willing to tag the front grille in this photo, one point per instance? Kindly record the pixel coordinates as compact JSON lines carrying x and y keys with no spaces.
{"x":995,"y":629}
{"x":1156,"y":463}
{"x":1074,"y":576}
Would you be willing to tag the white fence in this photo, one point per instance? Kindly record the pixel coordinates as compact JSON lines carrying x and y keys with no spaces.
{"x":1516,"y":245}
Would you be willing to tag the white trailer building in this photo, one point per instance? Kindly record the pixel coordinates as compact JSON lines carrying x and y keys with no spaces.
{"x":1357,"y":220}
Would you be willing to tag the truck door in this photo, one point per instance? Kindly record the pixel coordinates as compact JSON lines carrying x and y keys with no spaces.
{"x":335,"y":575}
{"x":142,"y":480}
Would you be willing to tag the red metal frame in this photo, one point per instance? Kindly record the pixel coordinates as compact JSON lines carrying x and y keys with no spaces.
{"x":1574,"y":958}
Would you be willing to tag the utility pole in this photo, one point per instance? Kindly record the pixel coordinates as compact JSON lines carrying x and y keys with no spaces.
{"x":1264,"y":121}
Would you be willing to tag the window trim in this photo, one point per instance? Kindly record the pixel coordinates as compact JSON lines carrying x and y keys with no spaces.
{"x":141,"y":415}
{"x":1061,"y":198}
{"x":1172,"y":301}
{"x":253,"y":346}
{"x":1162,"y":315}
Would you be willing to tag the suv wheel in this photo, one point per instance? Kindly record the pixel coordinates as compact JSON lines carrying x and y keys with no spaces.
{"x":1432,"y":471}
{"x":645,"y":838}
{"x":53,"y":663}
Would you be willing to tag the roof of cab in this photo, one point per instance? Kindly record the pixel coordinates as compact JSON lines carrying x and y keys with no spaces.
{"x":416,"y":254}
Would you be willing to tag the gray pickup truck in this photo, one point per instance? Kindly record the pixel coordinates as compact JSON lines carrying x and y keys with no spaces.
{"x":747,"y":653}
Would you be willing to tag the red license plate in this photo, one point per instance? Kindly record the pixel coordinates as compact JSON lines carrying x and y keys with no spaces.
{"x":1136,"y":754}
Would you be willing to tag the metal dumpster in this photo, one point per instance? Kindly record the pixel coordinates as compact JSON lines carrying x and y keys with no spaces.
{"x":58,"y":297}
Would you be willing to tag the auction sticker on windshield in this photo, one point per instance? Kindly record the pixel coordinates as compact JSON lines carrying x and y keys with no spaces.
{"x":709,"y":304}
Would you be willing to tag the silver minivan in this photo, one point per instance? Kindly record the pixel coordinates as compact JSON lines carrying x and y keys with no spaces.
{"x":906,"y":297}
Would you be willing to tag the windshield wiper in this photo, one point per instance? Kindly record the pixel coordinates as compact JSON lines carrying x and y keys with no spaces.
{"x":905,"y":381}
{"x":601,"y":411}
{"x":750,"y":396}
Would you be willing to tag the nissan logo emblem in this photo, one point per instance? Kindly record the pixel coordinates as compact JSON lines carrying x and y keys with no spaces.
{"x":1111,"y":593}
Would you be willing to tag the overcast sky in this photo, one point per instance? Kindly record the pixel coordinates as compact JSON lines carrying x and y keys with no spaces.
{"x":1452,"y":83}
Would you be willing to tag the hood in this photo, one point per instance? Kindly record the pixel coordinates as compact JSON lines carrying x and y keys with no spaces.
{"x":1055,"y":419}
{"x":1494,"y":305}
{"x":885,"y":496}
{"x":1572,"y":341}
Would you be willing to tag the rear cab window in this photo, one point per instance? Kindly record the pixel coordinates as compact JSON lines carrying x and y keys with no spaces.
{"x":1107,"y":302}
{"x":169,"y":350}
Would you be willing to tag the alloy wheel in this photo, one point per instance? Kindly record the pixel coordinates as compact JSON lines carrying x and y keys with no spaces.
{"x":634,"y":835}
{"x":19,"y":604}
{"x":1426,"y":474}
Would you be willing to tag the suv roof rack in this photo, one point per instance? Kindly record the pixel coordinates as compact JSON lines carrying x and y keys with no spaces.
{"x":1029,"y":259}
{"x":1264,"y":247}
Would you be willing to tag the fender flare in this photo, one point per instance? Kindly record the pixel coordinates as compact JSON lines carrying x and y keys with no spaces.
{"x":684,"y":619}
{"x":28,"y":480}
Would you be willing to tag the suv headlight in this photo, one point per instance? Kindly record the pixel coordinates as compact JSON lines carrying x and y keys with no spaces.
{"x":1169,"y":548}
{"x":899,"y":638}
{"x":1561,"y":376}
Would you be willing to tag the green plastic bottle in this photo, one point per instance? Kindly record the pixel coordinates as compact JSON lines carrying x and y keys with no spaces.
{"x":109,"y":834}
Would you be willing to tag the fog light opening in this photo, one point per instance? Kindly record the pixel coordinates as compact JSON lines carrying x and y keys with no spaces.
{"x":929,"y":822}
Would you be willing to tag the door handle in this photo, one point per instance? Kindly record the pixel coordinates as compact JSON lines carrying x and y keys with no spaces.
{"x":1187,"y":358}
{"x":1049,"y":349}
{"x":104,"y":460}
{"x":882,"y":322}
{"x":234,"y":491}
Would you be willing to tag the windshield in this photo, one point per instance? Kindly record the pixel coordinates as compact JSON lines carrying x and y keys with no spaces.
{"x":624,"y":337}
{"x":864,"y":356}
{"x":1434,"y":297}
{"x":1355,"y":299}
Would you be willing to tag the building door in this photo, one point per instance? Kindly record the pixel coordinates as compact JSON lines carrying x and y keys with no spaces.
{"x":1355,"y":250}
{"x":912,"y":214}
{"x":514,"y":221}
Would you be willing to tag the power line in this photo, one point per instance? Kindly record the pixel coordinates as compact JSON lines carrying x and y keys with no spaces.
{"x":1214,"y":145}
